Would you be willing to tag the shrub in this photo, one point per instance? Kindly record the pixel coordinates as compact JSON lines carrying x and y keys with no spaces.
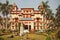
{"x":48,"y":38}
{"x":3,"y":30}
{"x":58,"y":35}
{"x":1,"y":38}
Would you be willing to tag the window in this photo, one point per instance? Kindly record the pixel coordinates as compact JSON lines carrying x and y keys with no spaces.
{"x":13,"y":18}
{"x":23,"y":16}
{"x":31,"y":11}
{"x":37,"y":18}
{"x":25,"y":26}
{"x":12,"y":23}
{"x":12,"y":27}
{"x":14,"y":8}
{"x":40,"y":18}
{"x":29,"y":16}
{"x":16,"y":18}
{"x":27,"y":11}
{"x":26,"y":16}
{"x":22,"y":11}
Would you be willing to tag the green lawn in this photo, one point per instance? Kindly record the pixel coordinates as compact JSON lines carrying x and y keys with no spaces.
{"x":35,"y":36}
{"x":6,"y":37}
{"x":31,"y":36}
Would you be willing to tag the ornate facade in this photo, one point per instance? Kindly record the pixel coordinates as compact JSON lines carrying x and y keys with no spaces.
{"x":32,"y":19}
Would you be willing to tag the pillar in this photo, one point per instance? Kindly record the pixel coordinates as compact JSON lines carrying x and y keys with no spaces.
{"x":28,"y":26}
{"x":32,"y":27}
{"x":35,"y":27}
{"x":21,"y":29}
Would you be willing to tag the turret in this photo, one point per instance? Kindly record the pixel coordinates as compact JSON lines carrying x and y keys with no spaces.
{"x":14,"y":7}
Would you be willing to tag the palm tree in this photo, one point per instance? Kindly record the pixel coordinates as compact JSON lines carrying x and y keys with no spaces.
{"x":43,"y":6}
{"x":47,"y":13}
{"x":45,"y":9}
{"x":5,"y":8}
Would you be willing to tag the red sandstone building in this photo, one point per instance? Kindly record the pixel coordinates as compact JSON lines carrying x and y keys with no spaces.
{"x":30,"y":18}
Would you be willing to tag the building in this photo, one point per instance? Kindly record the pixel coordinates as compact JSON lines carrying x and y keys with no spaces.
{"x":30,"y":18}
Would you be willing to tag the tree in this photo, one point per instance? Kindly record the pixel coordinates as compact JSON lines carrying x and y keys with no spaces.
{"x":46,"y":8}
{"x":0,"y":20}
{"x":19,"y":24}
{"x":46,"y":11}
{"x":58,"y":17}
{"x":5,"y":8}
{"x":58,"y":34}
{"x":43,"y":6}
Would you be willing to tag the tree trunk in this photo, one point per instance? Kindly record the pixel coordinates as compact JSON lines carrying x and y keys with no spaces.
{"x":6,"y":23}
{"x":3,"y":27}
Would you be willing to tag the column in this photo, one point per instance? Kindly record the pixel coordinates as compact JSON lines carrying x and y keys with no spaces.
{"x":32,"y":26}
{"x":35,"y":26}
{"x":21,"y":29}
{"x":28,"y":26}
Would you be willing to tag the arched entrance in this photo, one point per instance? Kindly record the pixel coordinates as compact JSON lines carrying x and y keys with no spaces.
{"x":27,"y":27}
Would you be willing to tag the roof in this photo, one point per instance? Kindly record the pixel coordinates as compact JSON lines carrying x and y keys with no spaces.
{"x":25,"y":18}
{"x":37,"y":11}
{"x":27,"y":8}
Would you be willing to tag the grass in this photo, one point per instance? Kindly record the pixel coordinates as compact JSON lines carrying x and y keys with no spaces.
{"x":5,"y":37}
{"x":32,"y":36}
{"x":35,"y":36}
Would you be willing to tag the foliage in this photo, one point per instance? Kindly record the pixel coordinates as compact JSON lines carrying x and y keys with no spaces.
{"x":1,"y":38}
{"x":48,"y":38}
{"x":0,"y":20}
{"x":48,"y":15}
{"x":5,"y":8}
{"x":58,"y":16}
{"x":58,"y":35}
{"x":19,"y":24}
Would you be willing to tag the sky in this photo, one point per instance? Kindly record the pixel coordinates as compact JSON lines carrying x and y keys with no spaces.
{"x":34,"y":3}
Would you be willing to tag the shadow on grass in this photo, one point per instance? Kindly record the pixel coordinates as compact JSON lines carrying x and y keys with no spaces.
{"x":41,"y":33}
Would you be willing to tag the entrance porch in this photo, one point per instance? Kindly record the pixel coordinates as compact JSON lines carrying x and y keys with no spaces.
{"x":28,"y":25}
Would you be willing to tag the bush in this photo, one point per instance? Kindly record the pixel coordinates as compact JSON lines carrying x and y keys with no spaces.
{"x":58,"y":35}
{"x":3,"y":30}
{"x":48,"y":38}
{"x":11,"y":36}
{"x":1,"y":38}
{"x":49,"y":31}
{"x":1,"y":34}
